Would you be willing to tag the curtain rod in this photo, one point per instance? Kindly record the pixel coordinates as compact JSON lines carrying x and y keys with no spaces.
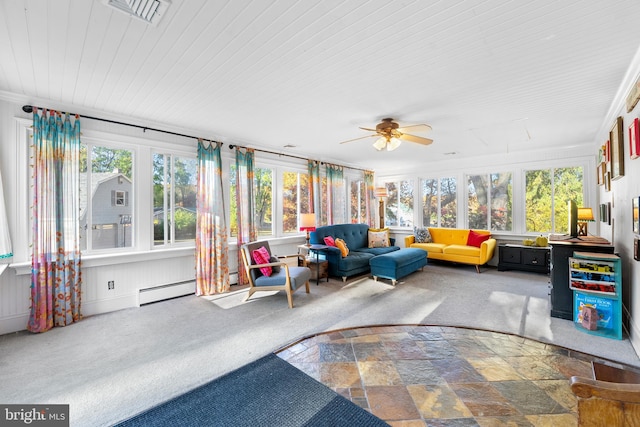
{"x":29,"y":109}
{"x":232,"y":146}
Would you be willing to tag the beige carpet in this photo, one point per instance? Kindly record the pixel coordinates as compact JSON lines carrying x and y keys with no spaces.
{"x":111,"y":366}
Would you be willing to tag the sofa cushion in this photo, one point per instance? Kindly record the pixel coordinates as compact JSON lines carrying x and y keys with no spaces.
{"x":329,"y":241}
{"x":449,"y":236}
{"x":435,"y":248}
{"x":462,"y":250}
{"x":378,"y":238}
{"x":476,"y":239}
{"x":422,"y":235}
{"x":354,"y":235}
{"x":377,"y":251}
{"x":344,"y":249}
{"x":354,"y":261}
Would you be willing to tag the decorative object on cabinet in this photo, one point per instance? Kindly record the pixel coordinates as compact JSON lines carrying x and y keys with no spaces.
{"x":634,"y":139}
{"x":596,"y":281}
{"x":635,"y":203}
{"x":585,"y":215}
{"x":561,"y":296}
{"x":617,"y":150}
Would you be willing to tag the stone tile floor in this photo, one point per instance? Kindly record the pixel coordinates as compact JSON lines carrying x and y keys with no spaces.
{"x":444,"y":376}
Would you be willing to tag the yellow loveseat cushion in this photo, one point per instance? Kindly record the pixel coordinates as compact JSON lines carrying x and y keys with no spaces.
{"x":462,"y":250}
{"x":432,"y":248}
{"x":449,"y":236}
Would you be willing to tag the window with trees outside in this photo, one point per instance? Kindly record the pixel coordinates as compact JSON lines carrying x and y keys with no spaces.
{"x":439,"y":202}
{"x":399,"y":209}
{"x":357,"y":202}
{"x":106,"y":203}
{"x":263,"y":201}
{"x":295,"y":200}
{"x":174,"y":198}
{"x":490,"y":201}
{"x":546,"y":197}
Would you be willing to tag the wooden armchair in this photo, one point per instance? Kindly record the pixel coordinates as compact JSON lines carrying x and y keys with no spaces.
{"x":282,"y":277}
{"x":610,"y":399}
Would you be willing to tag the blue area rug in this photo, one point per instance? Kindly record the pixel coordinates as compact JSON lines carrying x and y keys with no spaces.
{"x":267,"y":392}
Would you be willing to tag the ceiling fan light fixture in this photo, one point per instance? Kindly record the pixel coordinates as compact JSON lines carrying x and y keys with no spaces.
{"x":393,"y":143}
{"x":380,"y":143}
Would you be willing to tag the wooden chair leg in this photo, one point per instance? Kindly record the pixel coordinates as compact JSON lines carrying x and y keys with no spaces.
{"x":306,"y":285}
{"x":290,"y":298}
{"x":478,"y":268}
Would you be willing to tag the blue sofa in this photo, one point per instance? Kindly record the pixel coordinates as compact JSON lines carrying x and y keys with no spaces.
{"x":357,"y":239}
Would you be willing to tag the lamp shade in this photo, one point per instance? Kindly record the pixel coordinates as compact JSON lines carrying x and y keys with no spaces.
{"x":585,"y":214}
{"x":308,"y":221}
{"x":393,"y":144}
{"x":381,"y":193}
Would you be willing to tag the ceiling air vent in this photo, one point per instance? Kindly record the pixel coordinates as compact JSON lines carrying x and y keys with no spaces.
{"x":149,"y":11}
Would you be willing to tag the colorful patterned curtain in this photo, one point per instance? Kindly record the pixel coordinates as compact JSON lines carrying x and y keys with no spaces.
{"x":370,"y":200}
{"x":56,"y":278}
{"x":5,"y":238}
{"x":315,"y":189}
{"x":335,"y":195}
{"x":245,"y":205}
{"x":212,"y":249}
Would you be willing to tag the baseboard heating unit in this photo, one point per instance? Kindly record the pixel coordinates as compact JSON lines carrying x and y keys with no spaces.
{"x":163,"y":292}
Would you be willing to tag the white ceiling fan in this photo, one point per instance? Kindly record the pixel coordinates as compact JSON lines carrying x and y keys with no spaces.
{"x":390,"y":135}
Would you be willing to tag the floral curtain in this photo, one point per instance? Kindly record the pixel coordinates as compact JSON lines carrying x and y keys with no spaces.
{"x":56,"y":278}
{"x":369,"y":198}
{"x":212,"y":250}
{"x":315,"y":189}
{"x":335,"y":195}
{"x":245,"y":205}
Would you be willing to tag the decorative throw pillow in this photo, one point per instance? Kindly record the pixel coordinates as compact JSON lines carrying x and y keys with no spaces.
{"x":422,"y":235}
{"x":378,"y":237}
{"x":342,"y":245}
{"x":476,"y":239}
{"x":261,"y":256}
{"x":329,"y":241}
{"x":274,"y":268}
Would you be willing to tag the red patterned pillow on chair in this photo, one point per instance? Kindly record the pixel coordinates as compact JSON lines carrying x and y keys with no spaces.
{"x":261,"y":256}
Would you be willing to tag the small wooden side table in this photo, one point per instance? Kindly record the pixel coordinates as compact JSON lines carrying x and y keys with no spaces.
{"x":319,"y":267}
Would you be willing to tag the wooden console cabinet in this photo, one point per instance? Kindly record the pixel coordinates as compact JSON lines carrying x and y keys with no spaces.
{"x":523,"y":258}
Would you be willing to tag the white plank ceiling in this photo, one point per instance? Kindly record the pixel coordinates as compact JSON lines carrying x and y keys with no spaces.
{"x":490,"y":76}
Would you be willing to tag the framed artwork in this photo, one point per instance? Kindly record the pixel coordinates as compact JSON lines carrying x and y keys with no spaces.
{"x":607,"y":151}
{"x":603,"y":212}
{"x":609,"y":213}
{"x":634,"y":139}
{"x":600,"y":169}
{"x":607,"y":181}
{"x":634,"y":215}
{"x":616,"y":138}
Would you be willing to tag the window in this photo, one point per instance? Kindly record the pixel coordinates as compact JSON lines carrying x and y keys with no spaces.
{"x":263,"y":201}
{"x":106,"y":183}
{"x":490,"y":202}
{"x":357,"y":202}
{"x":174,"y":199}
{"x":295,"y":200}
{"x":546,"y":194}
{"x":399,"y":210}
{"x":439,"y":202}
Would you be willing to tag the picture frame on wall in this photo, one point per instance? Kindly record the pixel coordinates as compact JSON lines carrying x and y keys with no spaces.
{"x":609,"y":213}
{"x":600,"y":170}
{"x":635,"y":218}
{"x":603,"y":212}
{"x":634,"y":139}
{"x":616,"y":137}
{"x":607,"y":181}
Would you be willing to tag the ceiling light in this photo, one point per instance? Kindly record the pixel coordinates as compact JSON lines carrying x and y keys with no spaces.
{"x":393,"y":144}
{"x":380,"y":143}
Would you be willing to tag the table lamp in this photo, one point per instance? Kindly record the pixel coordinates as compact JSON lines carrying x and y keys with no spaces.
{"x":584,"y":215}
{"x":308,"y":223}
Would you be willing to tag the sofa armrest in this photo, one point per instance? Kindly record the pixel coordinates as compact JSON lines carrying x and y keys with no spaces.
{"x":409,"y":240}
{"x":487,"y":248}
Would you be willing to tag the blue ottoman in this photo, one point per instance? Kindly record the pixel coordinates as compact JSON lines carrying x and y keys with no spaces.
{"x":397,"y":264}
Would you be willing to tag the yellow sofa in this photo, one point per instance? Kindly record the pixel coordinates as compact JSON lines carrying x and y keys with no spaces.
{"x":450,"y":244}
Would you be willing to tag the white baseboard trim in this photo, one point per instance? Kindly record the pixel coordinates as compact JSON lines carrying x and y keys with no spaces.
{"x":108,"y":305}
{"x":159,"y":293}
{"x":14,"y":323}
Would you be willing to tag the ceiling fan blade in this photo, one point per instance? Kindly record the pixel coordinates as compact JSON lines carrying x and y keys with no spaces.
{"x":368,"y":129}
{"x":416,"y":128}
{"x":355,"y":139}
{"x":416,"y":139}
